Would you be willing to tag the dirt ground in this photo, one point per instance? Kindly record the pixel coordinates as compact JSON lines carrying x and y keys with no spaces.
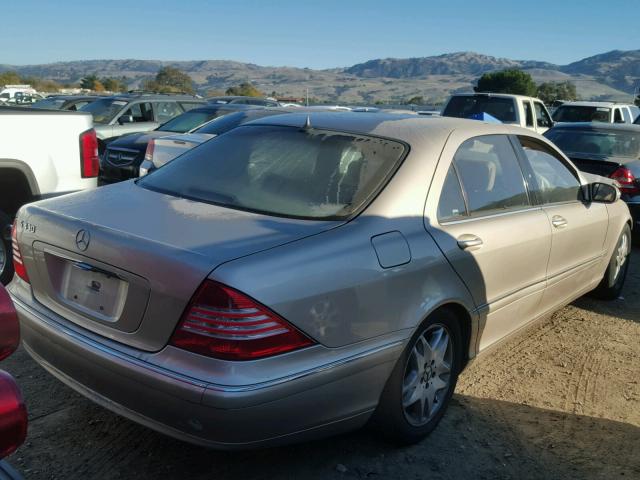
{"x":559,"y":400}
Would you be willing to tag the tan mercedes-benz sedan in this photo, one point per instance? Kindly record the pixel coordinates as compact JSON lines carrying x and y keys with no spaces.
{"x":304,"y":274}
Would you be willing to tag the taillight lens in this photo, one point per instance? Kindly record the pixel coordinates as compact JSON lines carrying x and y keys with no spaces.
{"x":13,"y":416}
{"x":148,"y":154}
{"x":9,"y":326}
{"x":89,"y":161}
{"x":626,"y":180}
{"x":18,"y":264}
{"x":223,"y":323}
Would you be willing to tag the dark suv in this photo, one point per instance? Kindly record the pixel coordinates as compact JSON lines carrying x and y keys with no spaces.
{"x":136,"y":112}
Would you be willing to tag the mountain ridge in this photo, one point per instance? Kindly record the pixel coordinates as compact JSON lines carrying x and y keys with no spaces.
{"x":610,"y":75}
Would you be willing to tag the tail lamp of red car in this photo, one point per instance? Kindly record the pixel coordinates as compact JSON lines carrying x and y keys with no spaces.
{"x":18,"y":263}
{"x":627,"y":181}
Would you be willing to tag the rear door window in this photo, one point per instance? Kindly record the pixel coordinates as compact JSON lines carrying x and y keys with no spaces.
{"x":141,"y":112}
{"x":555,"y":182}
{"x":451,"y":205}
{"x":543,"y":118}
{"x":491,"y":175}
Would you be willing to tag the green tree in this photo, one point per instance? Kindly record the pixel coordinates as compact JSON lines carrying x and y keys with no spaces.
{"x":417,"y":100}
{"x":10,"y":78}
{"x":91,"y":82}
{"x":245,"y":89}
{"x":170,"y":80}
{"x":550,"y":91}
{"x":507,"y":81}
{"x":113,"y":84}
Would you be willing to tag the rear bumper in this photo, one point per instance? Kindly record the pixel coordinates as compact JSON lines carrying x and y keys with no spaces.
{"x":324,"y":400}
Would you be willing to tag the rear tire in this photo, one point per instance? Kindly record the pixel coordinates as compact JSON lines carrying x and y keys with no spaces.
{"x":6,"y":252}
{"x":420,"y":387}
{"x":613,"y":280}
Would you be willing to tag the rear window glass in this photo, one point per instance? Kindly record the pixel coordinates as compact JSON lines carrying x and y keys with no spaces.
{"x":104,"y":110}
{"x":232,"y":120}
{"x":574,"y":113}
{"x":609,"y":143}
{"x":283,"y":171}
{"x":189,"y":120}
{"x":465,"y":106}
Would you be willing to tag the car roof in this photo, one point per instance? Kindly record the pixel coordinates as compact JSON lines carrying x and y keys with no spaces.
{"x":592,"y":104}
{"x":412,"y":129}
{"x":214,"y":107}
{"x":155,"y":96}
{"x":628,"y":127}
{"x":491,"y":94}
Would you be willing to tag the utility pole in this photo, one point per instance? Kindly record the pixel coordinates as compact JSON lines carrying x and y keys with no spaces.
{"x":307,"y":96}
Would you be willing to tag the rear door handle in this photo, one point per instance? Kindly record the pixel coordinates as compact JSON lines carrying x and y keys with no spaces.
{"x":559,"y":222}
{"x":469,"y":241}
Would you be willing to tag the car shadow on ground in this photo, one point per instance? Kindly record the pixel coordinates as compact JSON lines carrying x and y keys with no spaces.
{"x":628,"y":305}
{"x":478,"y":438}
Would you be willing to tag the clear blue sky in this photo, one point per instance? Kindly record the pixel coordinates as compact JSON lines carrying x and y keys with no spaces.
{"x":316,"y":34}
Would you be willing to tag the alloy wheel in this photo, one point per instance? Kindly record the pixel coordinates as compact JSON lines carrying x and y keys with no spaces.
{"x":622,"y":253}
{"x":427,"y":377}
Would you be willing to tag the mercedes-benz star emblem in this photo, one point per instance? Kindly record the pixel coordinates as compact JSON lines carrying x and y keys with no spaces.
{"x":82,"y":240}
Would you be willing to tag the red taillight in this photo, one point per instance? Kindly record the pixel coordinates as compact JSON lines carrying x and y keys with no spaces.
{"x":18,"y":264}
{"x":13,"y":416}
{"x":223,"y":323}
{"x":9,"y":326}
{"x":626,"y":180}
{"x":148,"y":154}
{"x":89,"y":161}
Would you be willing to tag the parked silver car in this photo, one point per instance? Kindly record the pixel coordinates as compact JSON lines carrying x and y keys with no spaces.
{"x":304,"y":274}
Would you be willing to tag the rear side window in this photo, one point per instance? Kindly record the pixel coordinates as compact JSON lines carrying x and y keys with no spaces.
{"x":556,"y":183}
{"x":166,"y":111}
{"x":491,"y":175}
{"x":451,"y":205}
{"x":528,"y":113}
{"x":283,"y":171}
{"x":141,"y":112}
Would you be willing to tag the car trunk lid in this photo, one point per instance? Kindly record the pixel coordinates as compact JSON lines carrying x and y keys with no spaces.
{"x":123,"y":261}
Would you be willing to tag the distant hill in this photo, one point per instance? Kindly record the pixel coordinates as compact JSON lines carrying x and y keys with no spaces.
{"x":610,"y":76}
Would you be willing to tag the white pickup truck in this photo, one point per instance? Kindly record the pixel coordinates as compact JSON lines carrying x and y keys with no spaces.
{"x":526,"y":112}
{"x":43,"y":153}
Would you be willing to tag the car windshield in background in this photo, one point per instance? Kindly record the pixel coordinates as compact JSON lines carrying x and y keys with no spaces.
{"x":465,"y":106}
{"x":228,"y":122}
{"x":573,"y":113}
{"x":188,"y":121}
{"x":282,"y":171}
{"x":104,"y":110}
{"x":49,"y":103}
{"x":608,"y":143}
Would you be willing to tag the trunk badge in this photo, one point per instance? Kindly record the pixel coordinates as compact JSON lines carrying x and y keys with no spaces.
{"x":83,"y":238}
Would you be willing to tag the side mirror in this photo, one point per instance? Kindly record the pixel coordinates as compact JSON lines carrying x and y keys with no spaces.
{"x":603,"y":193}
{"x":125,"y":119}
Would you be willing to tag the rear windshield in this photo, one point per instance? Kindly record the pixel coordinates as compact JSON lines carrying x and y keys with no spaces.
{"x":50,"y":103}
{"x":573,"y":113}
{"x":283,"y":171}
{"x":104,"y":110}
{"x":596,"y":142}
{"x":189,"y":120}
{"x":465,"y":106}
{"x":228,"y":122}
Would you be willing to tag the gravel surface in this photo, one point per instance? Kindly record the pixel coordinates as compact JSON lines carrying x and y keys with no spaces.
{"x":560,"y":399}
